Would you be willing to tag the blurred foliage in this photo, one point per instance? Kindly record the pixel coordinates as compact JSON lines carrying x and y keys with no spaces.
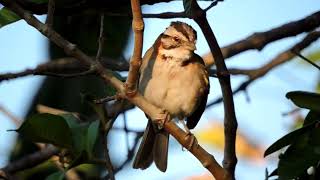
{"x":213,"y":135}
{"x":314,"y":56}
{"x":65,"y":132}
{"x":303,"y":145}
{"x":7,"y":17}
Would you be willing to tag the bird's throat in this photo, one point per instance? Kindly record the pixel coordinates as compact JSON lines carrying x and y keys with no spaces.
{"x":178,"y":54}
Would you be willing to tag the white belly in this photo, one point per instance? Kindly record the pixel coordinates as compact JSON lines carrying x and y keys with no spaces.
{"x":172,"y":86}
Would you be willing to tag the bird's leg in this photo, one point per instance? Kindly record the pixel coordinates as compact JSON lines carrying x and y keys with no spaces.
{"x":162,"y":119}
{"x":185,"y":126}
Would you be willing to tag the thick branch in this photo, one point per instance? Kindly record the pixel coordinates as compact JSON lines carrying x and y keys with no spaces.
{"x":260,"y":40}
{"x":135,"y":62}
{"x":230,"y":121}
{"x":283,"y":57}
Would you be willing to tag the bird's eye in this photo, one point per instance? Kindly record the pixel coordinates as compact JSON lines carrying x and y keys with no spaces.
{"x":175,"y":38}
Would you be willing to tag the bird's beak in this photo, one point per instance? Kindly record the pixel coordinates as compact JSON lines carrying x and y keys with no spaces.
{"x":191,"y":46}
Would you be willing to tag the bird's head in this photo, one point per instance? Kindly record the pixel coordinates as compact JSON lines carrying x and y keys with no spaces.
{"x":178,"y":41}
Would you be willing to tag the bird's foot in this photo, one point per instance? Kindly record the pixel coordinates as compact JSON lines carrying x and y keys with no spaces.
{"x":186,"y":129}
{"x":162,"y":119}
{"x":191,"y":139}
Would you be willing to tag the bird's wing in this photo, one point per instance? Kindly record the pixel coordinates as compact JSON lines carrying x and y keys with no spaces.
{"x":194,"y":118}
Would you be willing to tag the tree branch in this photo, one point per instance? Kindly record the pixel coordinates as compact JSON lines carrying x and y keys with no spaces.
{"x":101,"y":38}
{"x":230,"y":121}
{"x":213,"y":3}
{"x":254,"y":74}
{"x":255,"y":41}
{"x":260,"y":40}
{"x":51,"y":7}
{"x":135,"y":62}
{"x":29,"y":161}
{"x":67,"y":67}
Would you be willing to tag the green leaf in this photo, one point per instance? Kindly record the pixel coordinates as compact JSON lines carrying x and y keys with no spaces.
{"x":47,"y":128}
{"x":288,"y":139}
{"x":306,"y":100}
{"x":84,"y":137}
{"x":64,"y":131}
{"x":92,"y":136}
{"x":302,"y":154}
{"x":59,"y":175}
{"x":71,"y":120}
{"x":311,"y":117}
{"x":7,"y":17}
{"x":98,"y":108}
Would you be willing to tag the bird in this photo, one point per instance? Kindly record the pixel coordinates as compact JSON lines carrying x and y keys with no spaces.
{"x":173,"y":78}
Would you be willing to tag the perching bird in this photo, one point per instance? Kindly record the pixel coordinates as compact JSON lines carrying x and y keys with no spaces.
{"x":174,"y":78}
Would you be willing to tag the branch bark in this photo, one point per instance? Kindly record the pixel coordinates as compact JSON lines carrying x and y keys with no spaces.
{"x":67,"y":67}
{"x":285,"y":56}
{"x":29,"y":161}
{"x":255,"y":41}
{"x":137,"y":27}
{"x":230,"y":121}
{"x":260,"y":40}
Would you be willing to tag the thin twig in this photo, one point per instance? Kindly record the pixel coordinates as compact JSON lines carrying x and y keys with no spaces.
{"x":105,"y":99}
{"x":16,"y":121}
{"x":30,"y":160}
{"x":101,"y":37}
{"x":306,"y":59}
{"x":254,"y":74}
{"x":255,"y":41}
{"x":130,"y":155}
{"x":72,"y":75}
{"x":166,"y":15}
{"x":108,"y":162}
{"x":51,"y":8}
{"x":213,"y":3}
{"x":261,"y":39}
{"x":46,"y":109}
{"x":66,"y":67}
{"x":125,"y":128}
{"x":291,"y":112}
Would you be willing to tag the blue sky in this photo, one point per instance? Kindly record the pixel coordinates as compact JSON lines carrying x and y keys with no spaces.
{"x":231,"y":20}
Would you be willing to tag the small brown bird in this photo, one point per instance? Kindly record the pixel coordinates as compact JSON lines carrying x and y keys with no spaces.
{"x":174,"y":78}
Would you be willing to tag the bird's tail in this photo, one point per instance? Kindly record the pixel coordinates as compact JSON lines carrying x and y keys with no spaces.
{"x":153,"y":147}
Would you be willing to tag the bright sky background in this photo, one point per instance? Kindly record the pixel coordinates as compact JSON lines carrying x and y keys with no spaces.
{"x":23,"y":47}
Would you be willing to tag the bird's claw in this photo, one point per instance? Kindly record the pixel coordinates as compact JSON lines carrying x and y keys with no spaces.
{"x":191,"y":139}
{"x":163,"y":118}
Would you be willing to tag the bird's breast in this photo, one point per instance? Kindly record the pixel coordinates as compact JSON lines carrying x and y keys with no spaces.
{"x":169,"y":85}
